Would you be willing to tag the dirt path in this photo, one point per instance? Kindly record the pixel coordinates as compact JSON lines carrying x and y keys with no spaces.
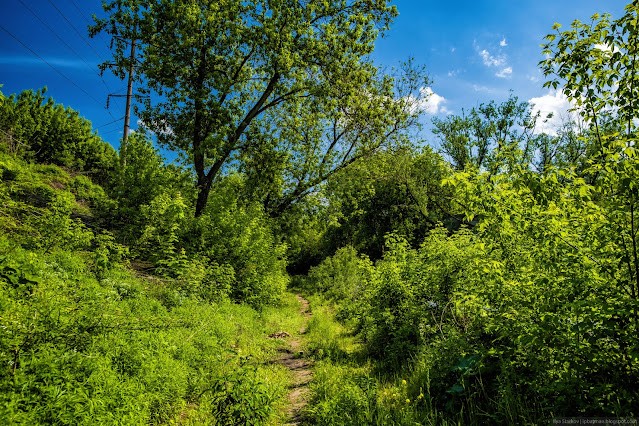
{"x":293,"y":359}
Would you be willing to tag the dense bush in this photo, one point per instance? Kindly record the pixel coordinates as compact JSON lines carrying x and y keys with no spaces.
{"x":415,"y":291}
{"x":145,"y":189}
{"x":516,"y":309}
{"x":240,"y":235}
{"x":393,"y":191}
{"x":503,"y":289}
{"x":84,"y":342}
{"x":343,"y":396}
{"x":345,"y":280}
{"x":40,"y":207}
{"x":39,"y":129}
{"x":75,"y":350}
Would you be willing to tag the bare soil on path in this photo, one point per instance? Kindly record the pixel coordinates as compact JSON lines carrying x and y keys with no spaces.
{"x":294,"y":359}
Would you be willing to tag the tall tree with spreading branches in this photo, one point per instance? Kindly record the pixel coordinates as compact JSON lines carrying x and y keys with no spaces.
{"x":218,"y":72}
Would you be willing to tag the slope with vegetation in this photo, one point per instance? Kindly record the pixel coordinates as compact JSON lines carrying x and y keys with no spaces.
{"x":494,"y":282}
{"x":109,"y":313}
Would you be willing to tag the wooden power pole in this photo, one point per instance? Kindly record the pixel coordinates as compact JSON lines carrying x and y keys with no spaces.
{"x":127,"y":113}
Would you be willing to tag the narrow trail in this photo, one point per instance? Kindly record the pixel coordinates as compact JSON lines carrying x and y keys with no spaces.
{"x":293,"y":359}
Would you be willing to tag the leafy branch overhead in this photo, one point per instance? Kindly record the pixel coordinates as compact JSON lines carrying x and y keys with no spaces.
{"x":224,"y":71}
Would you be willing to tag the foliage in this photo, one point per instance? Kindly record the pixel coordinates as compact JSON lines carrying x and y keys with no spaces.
{"x":343,"y":279}
{"x":303,"y":229}
{"x":346,"y":388}
{"x":501,"y":137}
{"x":501,"y":290}
{"x":534,"y":306}
{"x":46,"y":132}
{"x":87,"y":192}
{"x":163,"y":217}
{"x":242,"y":398}
{"x":39,"y":210}
{"x":277,"y":61}
{"x":343,"y":396}
{"x":394,"y":191}
{"x":239,"y":235}
{"x":312,"y":142}
{"x":77,"y":351}
{"x":488,"y":131}
{"x":595,"y":63}
{"x":147,"y":175}
{"x":146,"y":188}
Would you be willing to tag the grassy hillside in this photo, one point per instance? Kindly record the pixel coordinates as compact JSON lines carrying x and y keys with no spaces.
{"x":88,"y":339}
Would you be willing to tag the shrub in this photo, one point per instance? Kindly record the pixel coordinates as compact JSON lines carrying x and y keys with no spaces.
{"x":50,"y":133}
{"x":344,"y":279}
{"x":342,"y":396}
{"x":75,"y":350}
{"x":240,"y":235}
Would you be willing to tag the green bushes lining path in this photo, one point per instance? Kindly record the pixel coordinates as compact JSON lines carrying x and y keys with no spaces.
{"x":125,"y":350}
{"x":84,"y":340}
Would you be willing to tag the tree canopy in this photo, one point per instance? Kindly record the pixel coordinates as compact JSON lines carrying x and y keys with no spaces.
{"x":221,"y":71}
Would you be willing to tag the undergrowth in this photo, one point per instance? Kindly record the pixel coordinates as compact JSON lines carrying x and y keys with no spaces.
{"x":125,"y":350}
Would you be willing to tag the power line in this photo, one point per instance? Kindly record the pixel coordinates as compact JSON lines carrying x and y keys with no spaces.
{"x":110,"y":122}
{"x":54,"y":68}
{"x":89,"y":21}
{"x":65,"y":43}
{"x":55,"y":34}
{"x":119,"y":90}
{"x":110,"y":132}
{"x":88,"y":44}
{"x":76,"y":30}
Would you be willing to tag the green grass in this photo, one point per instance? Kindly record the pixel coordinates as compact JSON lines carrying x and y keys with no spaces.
{"x":349,"y":388}
{"x":124,"y":350}
{"x":85,"y":340}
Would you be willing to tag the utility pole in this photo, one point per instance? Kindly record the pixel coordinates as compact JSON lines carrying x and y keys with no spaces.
{"x":127,"y":113}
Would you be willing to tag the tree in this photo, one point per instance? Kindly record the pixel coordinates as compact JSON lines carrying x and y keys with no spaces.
{"x":315,"y":140}
{"x":596,"y":65}
{"x":395,"y":191}
{"x":560,"y":279}
{"x":145,"y":178}
{"x":220,"y":69}
{"x":480,"y":137}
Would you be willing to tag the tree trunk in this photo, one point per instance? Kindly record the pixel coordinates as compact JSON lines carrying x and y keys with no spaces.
{"x":204,"y":187}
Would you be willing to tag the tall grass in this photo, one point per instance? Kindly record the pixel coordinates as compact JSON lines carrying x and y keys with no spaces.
{"x":125,"y":350}
{"x":351,"y":389}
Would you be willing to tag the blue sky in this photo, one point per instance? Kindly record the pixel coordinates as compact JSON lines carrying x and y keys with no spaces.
{"x":475,"y":52}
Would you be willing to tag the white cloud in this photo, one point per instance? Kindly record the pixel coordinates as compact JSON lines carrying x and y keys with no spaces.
{"x":555,"y":103}
{"x":30,"y":61}
{"x":603,"y":47}
{"x":503,"y":43}
{"x":607,"y":48}
{"x":483,"y":89}
{"x":431,"y":102}
{"x":505,"y":72}
{"x":434,"y":103}
{"x":496,"y":61}
{"x":492,"y":61}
